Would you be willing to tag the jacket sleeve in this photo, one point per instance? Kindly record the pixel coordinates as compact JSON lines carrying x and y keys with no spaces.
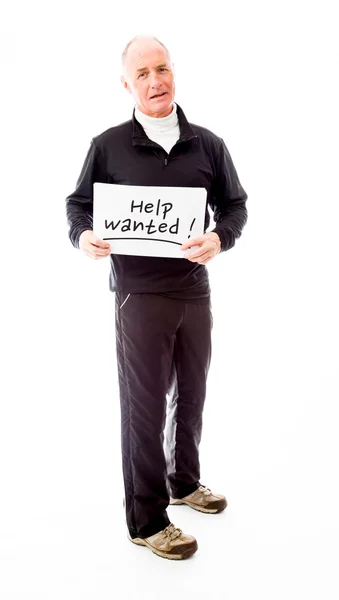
{"x":228,"y":200}
{"x":79,"y":205}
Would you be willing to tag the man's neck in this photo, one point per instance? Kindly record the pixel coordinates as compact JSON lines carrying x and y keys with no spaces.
{"x":167,"y":113}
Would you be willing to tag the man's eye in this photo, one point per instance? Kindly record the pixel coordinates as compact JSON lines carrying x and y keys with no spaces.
{"x":141,"y":75}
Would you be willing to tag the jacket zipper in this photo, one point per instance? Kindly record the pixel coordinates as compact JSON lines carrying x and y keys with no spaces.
{"x":150,"y":145}
{"x":178,"y":142}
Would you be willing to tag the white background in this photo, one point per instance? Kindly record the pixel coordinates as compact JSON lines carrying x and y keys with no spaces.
{"x":262,"y":75}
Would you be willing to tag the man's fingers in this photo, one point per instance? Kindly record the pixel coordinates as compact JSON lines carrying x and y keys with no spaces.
{"x":92,"y":245}
{"x":199,"y":252}
{"x":94,"y":251}
{"x":192,"y":242}
{"x":200,"y":258}
{"x":96,"y":256}
{"x":99,"y":243}
{"x":98,"y":250}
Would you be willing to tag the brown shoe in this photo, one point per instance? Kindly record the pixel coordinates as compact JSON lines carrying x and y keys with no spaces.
{"x":171,"y":542}
{"x":204,"y":500}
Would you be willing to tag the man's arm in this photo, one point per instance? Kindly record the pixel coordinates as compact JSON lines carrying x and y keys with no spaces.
{"x":79,"y":205}
{"x":228,"y":200}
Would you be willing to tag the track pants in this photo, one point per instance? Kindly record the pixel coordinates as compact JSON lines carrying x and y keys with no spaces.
{"x":163,"y":356}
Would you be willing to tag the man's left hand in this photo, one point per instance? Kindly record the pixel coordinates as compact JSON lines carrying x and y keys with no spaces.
{"x":210,"y":246}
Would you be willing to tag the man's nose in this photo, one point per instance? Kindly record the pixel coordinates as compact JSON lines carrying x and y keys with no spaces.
{"x":155,"y":80}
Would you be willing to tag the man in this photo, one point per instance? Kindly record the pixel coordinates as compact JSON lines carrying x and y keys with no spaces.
{"x":163,"y":306}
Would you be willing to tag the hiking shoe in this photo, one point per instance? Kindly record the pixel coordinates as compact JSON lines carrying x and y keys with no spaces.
{"x":170,"y":542}
{"x":203,"y":500}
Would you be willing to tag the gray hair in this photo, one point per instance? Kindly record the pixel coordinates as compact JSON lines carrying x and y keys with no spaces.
{"x":141,"y":37}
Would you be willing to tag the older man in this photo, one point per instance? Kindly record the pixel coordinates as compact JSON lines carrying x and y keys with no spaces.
{"x":163,"y":305}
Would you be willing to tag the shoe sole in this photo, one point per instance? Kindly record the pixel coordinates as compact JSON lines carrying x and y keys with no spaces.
{"x":186,"y":553}
{"x":222,"y":507}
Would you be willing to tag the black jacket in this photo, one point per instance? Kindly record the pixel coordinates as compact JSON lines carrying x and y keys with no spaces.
{"x":125,"y":155}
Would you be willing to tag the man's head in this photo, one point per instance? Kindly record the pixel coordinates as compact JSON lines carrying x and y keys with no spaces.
{"x":149,"y":76}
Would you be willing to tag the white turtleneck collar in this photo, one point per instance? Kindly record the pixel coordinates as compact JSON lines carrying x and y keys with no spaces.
{"x":165,"y":131}
{"x":157,"y":124}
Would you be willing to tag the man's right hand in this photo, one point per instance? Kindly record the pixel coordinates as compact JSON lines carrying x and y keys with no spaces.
{"x":93,"y":246}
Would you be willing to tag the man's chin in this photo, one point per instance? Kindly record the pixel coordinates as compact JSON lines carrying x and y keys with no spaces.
{"x":163,"y":105}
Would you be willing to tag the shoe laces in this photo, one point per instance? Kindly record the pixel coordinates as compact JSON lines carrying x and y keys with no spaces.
{"x":205,"y":490}
{"x":172,"y":532}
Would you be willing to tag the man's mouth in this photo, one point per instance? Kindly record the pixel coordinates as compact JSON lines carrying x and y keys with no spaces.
{"x":158,"y":95}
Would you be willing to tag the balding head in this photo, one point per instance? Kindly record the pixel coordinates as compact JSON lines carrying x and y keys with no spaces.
{"x":148,"y":75}
{"x":140,"y":41}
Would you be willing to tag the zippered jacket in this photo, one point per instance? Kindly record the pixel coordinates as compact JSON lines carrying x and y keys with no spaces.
{"x":125,"y":155}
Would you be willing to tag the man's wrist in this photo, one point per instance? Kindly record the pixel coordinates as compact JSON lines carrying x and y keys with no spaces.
{"x":214,"y":236}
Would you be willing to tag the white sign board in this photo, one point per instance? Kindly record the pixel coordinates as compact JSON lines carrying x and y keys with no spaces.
{"x":148,"y":220}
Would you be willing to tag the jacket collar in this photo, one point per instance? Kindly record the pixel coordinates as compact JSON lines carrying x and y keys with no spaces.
{"x":139,"y":137}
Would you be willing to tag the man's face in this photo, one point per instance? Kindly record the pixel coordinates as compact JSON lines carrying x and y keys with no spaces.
{"x":149,"y":78}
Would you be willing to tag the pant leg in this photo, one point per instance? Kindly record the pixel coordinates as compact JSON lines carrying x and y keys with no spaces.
{"x":190,"y":366}
{"x":145,"y":332}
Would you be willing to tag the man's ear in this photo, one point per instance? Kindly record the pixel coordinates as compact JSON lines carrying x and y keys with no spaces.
{"x":124,"y":83}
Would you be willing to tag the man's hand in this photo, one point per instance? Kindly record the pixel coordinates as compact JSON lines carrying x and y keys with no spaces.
{"x":210,"y":246}
{"x":93,"y":246}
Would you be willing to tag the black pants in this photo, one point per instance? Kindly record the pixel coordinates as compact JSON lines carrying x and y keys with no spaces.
{"x":163,"y":355}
